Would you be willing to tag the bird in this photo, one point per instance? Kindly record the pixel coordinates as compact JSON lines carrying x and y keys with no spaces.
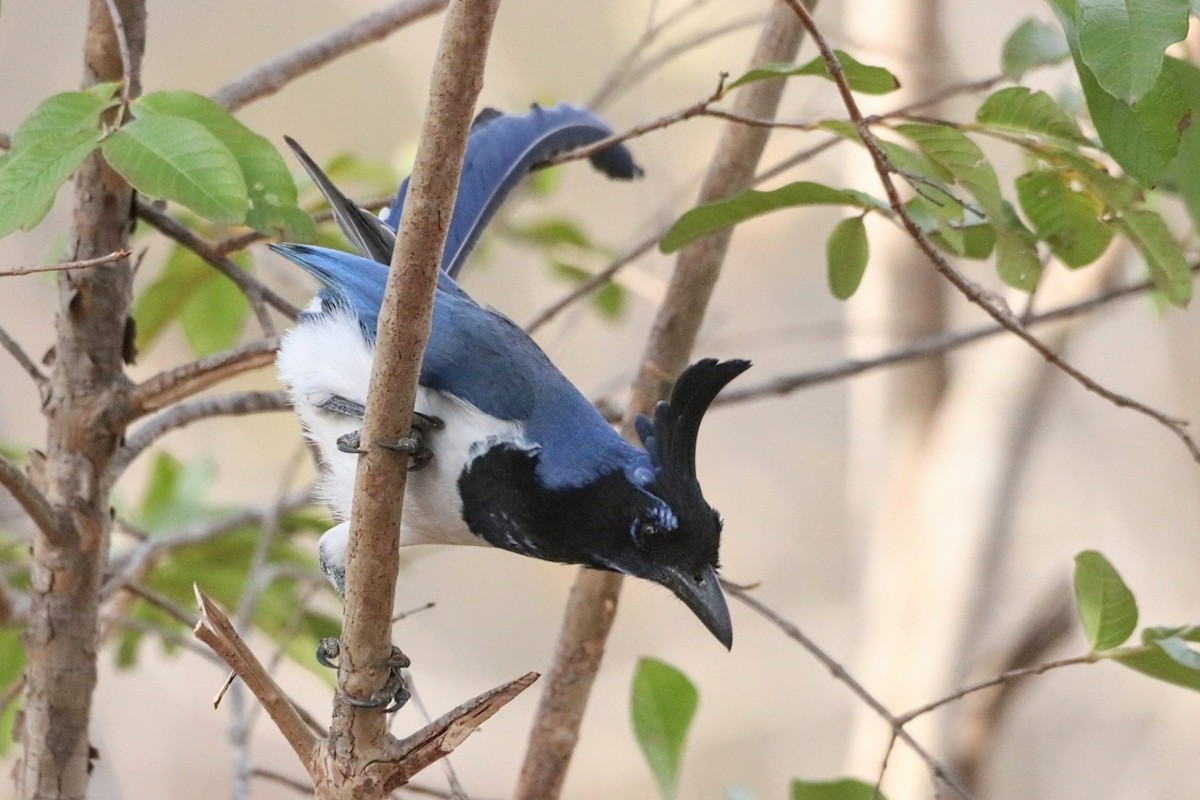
{"x":506,"y":452}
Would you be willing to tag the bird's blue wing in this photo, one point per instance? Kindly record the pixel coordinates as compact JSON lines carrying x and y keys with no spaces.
{"x":480,"y":356}
{"x":501,"y":150}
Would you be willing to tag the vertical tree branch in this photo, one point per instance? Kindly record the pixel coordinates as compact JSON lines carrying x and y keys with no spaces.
{"x":593,"y":601}
{"x":358,"y":736}
{"x":86,"y":414}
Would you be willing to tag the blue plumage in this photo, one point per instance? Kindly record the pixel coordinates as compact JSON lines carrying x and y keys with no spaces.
{"x":501,"y":150}
{"x":518,"y":458}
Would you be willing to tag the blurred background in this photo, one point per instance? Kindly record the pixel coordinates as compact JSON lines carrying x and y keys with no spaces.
{"x":912,"y":521}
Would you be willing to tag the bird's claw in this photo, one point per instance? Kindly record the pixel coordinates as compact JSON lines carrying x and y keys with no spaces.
{"x":412,"y":445}
{"x":394,"y":692}
{"x":328,"y":649}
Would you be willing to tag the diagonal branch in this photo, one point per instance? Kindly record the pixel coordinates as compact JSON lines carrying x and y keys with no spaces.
{"x":119,"y":255}
{"x":839,"y":673}
{"x":994,"y":306}
{"x":256,"y":292}
{"x":48,"y":520}
{"x":182,"y":382}
{"x":182,"y":414}
{"x":922,"y":348}
{"x":23,"y":359}
{"x":216,"y":631}
{"x":593,"y":600}
{"x":269,"y":78}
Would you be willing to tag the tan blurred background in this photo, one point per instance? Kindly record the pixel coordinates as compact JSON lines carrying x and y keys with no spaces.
{"x":1091,"y":476}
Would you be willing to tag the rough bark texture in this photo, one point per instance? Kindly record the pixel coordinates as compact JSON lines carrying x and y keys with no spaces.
{"x":593,"y":601}
{"x":86,"y":412}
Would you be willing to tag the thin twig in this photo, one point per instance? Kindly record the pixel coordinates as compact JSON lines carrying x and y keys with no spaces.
{"x":26,"y":363}
{"x":269,"y":78}
{"x":994,"y":306}
{"x":135,"y":561}
{"x":182,"y":414}
{"x":256,"y":292}
{"x":840,"y":674}
{"x":594,"y":282}
{"x":173,"y":385}
{"x":665,"y":121}
{"x":633,"y":75}
{"x":922,"y":348}
{"x":55,"y":525}
{"x":66,"y":265}
{"x":129,"y":79}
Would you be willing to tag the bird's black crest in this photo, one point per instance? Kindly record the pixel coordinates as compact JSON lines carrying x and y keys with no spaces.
{"x":671,"y":438}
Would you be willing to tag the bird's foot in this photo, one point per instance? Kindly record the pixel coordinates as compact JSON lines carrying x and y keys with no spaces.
{"x":394,"y":692}
{"x":414,"y":445}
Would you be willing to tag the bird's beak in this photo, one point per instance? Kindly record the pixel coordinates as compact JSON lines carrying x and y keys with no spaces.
{"x":704,"y":597}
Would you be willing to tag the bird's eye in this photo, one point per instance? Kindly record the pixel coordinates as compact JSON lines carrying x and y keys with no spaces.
{"x":646,"y":533}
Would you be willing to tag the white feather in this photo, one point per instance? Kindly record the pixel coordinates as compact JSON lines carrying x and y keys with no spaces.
{"x":326,"y":355}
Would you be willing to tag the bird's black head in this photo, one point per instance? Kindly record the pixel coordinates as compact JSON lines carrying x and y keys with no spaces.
{"x":675,"y":538}
{"x":649,"y":522}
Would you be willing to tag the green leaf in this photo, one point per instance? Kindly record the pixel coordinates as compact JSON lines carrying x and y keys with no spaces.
{"x":846,"y":254}
{"x":1123,"y":41}
{"x":552,"y":232}
{"x":1033,"y":44}
{"x":861,"y":77}
{"x":209,"y":306}
{"x":1180,"y":175}
{"x":12,"y":663}
{"x":1017,"y":261}
{"x":1066,"y":218}
{"x":843,"y":789}
{"x":31,"y":176}
{"x":1143,"y":137}
{"x":62,"y":115}
{"x":710,"y":218}
{"x":1165,"y":660}
{"x":1164,"y":258}
{"x":270,"y":188}
{"x":1024,"y":111}
{"x":663,"y":704}
{"x":175,"y":493}
{"x":1105,"y":604}
{"x":1189,"y":633}
{"x":212,"y":317}
{"x":179,"y":160}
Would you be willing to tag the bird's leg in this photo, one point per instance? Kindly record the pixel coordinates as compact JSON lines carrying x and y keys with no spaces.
{"x":394,"y":692}
{"x":340,"y":405}
{"x":412,"y":445}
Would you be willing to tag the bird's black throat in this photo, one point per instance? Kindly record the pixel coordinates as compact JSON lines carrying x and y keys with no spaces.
{"x":506,"y":505}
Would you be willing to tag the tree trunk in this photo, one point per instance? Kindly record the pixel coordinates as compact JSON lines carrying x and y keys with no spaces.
{"x":86,"y":413}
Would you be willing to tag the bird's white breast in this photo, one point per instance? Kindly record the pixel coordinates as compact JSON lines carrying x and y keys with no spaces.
{"x":327,"y":355}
